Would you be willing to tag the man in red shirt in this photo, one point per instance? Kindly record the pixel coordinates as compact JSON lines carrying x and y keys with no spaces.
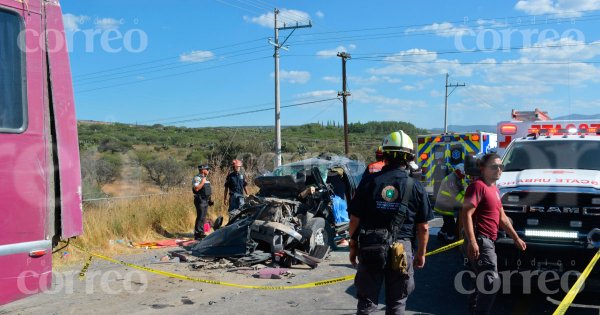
{"x":482,"y":215}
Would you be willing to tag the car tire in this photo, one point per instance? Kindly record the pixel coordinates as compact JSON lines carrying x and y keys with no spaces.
{"x":320,"y":234}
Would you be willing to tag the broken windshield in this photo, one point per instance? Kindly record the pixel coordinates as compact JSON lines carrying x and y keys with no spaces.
{"x":293,"y":169}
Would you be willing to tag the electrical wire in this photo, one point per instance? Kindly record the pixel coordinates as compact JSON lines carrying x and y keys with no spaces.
{"x":172,"y":75}
{"x":168,"y":58}
{"x":247,"y":112}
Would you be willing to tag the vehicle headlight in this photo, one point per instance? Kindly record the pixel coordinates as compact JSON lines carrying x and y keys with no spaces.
{"x":551,"y":234}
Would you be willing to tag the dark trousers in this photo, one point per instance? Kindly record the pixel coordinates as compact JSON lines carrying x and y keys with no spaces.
{"x":235,"y":201}
{"x":486,"y":271}
{"x":201,"y":210}
{"x":397,"y":287}
{"x":449,"y":225}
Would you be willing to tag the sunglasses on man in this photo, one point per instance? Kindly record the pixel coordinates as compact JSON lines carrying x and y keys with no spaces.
{"x":495,"y":167}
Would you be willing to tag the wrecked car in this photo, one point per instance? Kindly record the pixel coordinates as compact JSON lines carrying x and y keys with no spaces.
{"x":296,"y":215}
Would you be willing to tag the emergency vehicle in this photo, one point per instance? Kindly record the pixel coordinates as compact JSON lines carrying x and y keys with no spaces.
{"x":40,"y":179}
{"x":550,"y":189}
{"x":437,"y":154}
{"x":526,"y":122}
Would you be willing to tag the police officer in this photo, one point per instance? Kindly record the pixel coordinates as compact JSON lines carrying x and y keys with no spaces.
{"x":389,"y":207}
{"x":449,"y":201}
{"x":235,"y":186}
{"x":202,"y":199}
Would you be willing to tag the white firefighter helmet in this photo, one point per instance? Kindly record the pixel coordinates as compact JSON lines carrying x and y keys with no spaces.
{"x":398,"y":141}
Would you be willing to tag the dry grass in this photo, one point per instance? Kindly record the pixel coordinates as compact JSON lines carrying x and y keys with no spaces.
{"x":143,"y":219}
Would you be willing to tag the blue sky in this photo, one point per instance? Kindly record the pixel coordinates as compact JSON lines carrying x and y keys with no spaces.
{"x":181,"y":62}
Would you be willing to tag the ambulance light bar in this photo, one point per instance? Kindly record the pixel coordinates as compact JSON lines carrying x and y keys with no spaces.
{"x":570,"y":131}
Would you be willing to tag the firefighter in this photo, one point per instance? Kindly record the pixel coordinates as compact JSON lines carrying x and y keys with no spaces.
{"x":378,"y":164}
{"x":235,"y":186}
{"x":390,"y":209}
{"x":202,"y":199}
{"x":449,"y":201}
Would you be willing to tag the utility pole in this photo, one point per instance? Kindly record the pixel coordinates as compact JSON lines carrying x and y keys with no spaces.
{"x":278,"y":46}
{"x":454,"y":86}
{"x":344,"y":94}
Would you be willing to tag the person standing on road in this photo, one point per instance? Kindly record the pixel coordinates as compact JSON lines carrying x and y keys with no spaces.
{"x":202,"y":199}
{"x":449,"y":202}
{"x":235,"y":186}
{"x":378,"y":164}
{"x":481,"y":216}
{"x":390,"y":209}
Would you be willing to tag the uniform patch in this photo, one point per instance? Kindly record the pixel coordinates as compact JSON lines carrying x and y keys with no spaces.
{"x":389,"y":193}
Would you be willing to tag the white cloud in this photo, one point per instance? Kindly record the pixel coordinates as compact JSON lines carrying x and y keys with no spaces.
{"x":562,"y":49}
{"x":561,"y":8}
{"x":444,"y":29}
{"x":285,"y":16}
{"x":332,"y":79}
{"x":373,"y":79}
{"x":497,"y":95}
{"x":421,"y":62}
{"x":107,"y":23}
{"x":420,"y":85}
{"x":197,"y":56}
{"x":372,"y":97}
{"x":533,"y":71}
{"x":72,"y":22}
{"x":320,"y":14}
{"x":333,"y":52}
{"x":318,"y":94}
{"x":293,"y":76}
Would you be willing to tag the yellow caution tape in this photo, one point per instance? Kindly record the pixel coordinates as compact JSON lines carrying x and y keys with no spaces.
{"x":566,"y":302}
{"x":85,"y":268}
{"x":445,"y":248}
{"x":259,"y":287}
{"x":243,"y":286}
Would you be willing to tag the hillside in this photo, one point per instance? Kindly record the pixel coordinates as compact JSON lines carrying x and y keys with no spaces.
{"x":123,"y":159}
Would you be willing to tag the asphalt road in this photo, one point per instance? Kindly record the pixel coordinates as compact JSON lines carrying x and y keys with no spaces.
{"x":110,"y":288}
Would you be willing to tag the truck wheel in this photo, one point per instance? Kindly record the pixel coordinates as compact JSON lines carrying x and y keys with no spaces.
{"x":318,"y":234}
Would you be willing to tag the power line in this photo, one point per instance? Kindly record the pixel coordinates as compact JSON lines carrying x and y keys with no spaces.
{"x":220,"y":110}
{"x":404,"y":33}
{"x":306,"y":42}
{"x":168,"y":58}
{"x":512,"y":63}
{"x":128,"y":74}
{"x":248,"y":112}
{"x":172,"y":75}
{"x":477,"y":23}
{"x":238,"y":7}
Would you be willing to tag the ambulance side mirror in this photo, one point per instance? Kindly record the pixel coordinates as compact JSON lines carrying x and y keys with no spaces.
{"x":472,"y":166}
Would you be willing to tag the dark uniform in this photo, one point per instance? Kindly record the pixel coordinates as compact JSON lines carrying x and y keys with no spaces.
{"x":235,"y":182}
{"x":202,"y":198}
{"x":376,"y":201}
